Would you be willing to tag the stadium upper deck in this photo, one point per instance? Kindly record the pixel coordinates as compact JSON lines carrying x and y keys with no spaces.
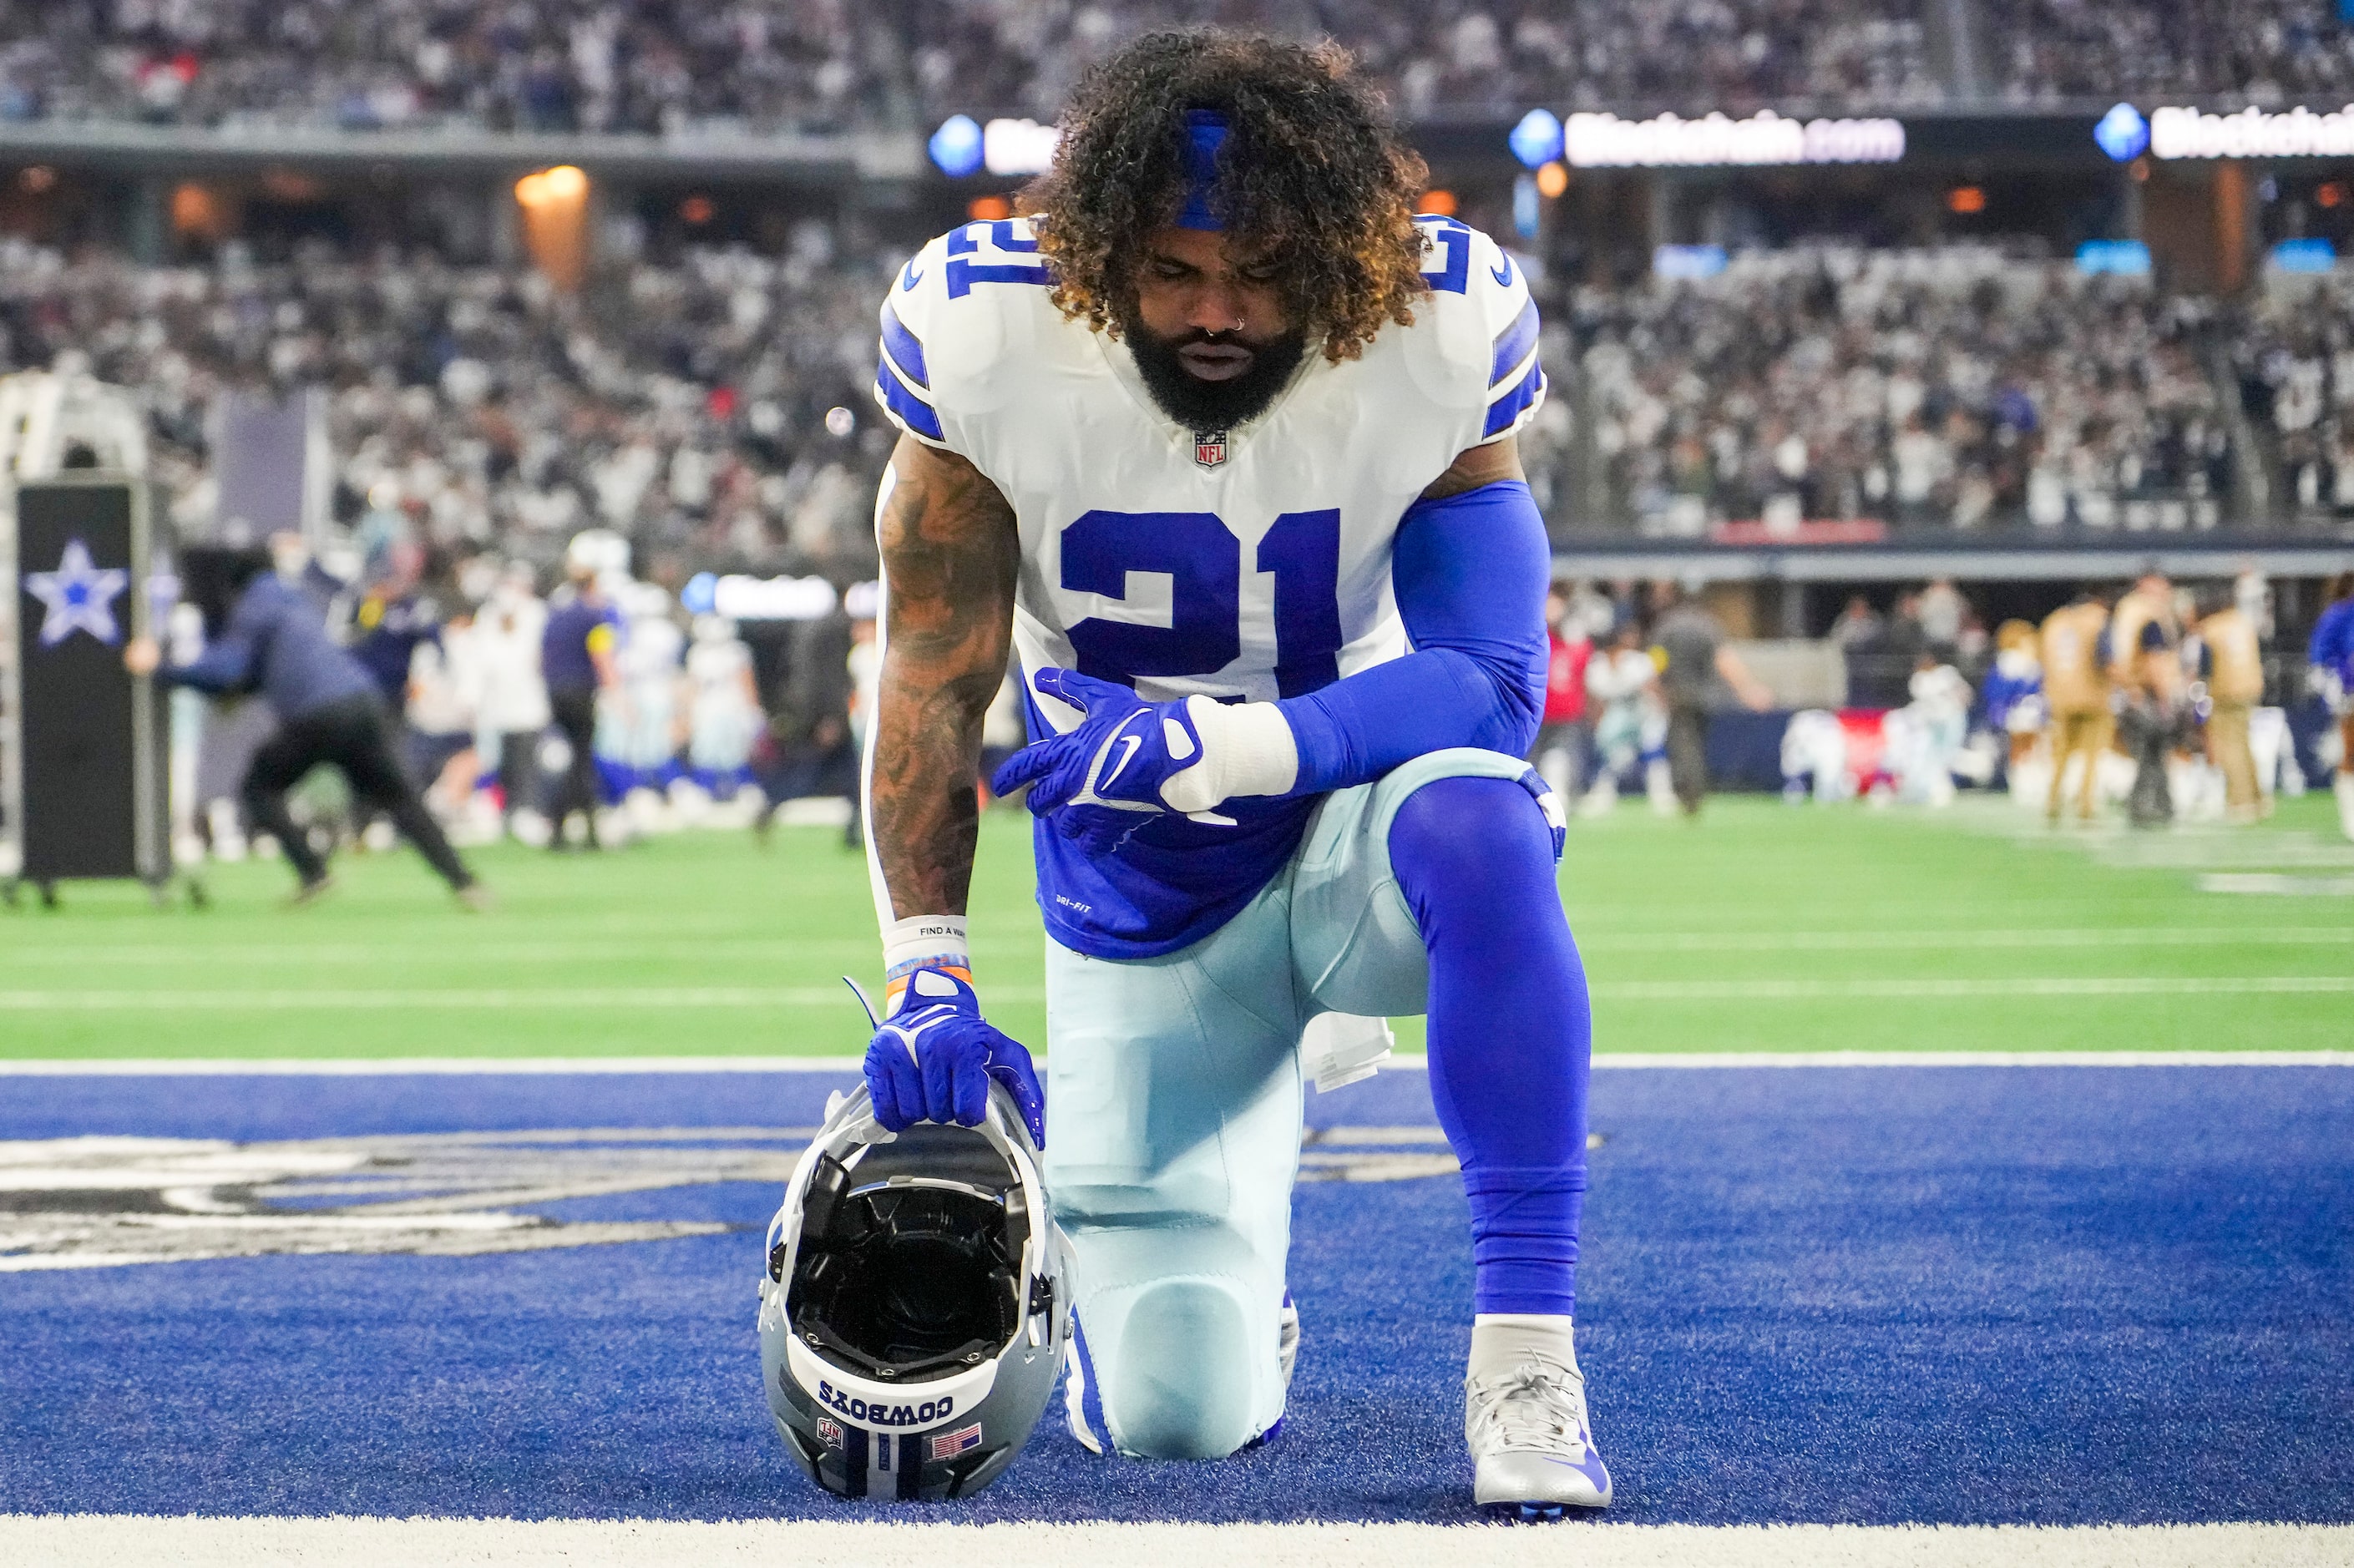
{"x":713,"y":405}
{"x":651,"y":65}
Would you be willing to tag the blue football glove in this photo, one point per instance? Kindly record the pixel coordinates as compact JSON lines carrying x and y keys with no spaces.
{"x":1103,"y":780}
{"x":933,"y":1058}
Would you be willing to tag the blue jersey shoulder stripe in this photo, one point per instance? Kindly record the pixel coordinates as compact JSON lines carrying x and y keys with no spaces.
{"x":904,"y":348}
{"x":1512,"y":404}
{"x":1001,"y":236}
{"x":1454,"y":242}
{"x":1513,"y":345}
{"x":962,"y":274}
{"x":919,"y":416}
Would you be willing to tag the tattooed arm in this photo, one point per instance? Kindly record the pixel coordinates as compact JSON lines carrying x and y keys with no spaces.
{"x":949,"y":553}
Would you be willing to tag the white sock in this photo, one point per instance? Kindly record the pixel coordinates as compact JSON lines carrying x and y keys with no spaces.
{"x":1501,"y":1341}
{"x":2344,"y":786}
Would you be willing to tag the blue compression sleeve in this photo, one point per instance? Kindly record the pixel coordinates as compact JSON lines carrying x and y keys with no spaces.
{"x":1469,"y":573}
{"x":1511,"y":1030}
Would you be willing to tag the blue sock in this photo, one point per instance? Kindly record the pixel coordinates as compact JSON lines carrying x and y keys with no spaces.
{"x":1511,"y":1030}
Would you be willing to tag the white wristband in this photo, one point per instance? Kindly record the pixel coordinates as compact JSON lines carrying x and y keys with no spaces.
{"x":1247,"y":748}
{"x":907,"y":944}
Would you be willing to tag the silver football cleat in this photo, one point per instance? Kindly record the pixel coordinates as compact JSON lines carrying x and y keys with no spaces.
{"x":1527,"y":1430}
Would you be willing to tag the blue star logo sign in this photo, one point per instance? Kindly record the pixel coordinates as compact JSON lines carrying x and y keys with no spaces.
{"x":1536,"y":140}
{"x":79,"y":596}
{"x":2123,"y":134}
{"x":958,"y":146}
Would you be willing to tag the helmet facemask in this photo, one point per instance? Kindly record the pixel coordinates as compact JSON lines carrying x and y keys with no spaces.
{"x":904,"y":1274}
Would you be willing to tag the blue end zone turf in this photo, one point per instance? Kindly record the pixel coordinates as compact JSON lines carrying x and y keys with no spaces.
{"x":1981,"y":1295}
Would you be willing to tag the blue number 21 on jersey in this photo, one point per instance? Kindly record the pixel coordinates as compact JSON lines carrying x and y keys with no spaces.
{"x":1202,"y":559}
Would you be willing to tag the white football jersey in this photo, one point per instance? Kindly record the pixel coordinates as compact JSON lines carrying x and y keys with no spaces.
{"x":1249,"y":563}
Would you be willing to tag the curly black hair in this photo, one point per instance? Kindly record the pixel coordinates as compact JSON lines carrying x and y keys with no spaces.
{"x":1312,"y":173}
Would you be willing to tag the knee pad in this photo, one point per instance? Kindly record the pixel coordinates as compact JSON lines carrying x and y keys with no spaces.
{"x":1179,"y":1375}
{"x":1479,"y":821}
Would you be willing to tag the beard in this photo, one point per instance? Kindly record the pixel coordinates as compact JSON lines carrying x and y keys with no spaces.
{"x":1199,"y":404}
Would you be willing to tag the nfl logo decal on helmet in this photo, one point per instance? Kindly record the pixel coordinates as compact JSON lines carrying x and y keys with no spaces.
{"x":913,"y":1309}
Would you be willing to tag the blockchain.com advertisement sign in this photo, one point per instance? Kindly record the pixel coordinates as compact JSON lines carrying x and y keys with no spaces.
{"x":1762,"y":140}
{"x":964,"y":146}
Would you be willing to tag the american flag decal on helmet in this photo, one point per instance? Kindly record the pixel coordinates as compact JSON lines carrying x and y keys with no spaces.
{"x":1209,"y":447}
{"x":948,"y":1444}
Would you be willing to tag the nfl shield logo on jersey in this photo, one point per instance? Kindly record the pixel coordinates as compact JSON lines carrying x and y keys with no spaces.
{"x":1209,"y":447}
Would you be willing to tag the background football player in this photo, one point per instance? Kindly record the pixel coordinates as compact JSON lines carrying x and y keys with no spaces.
{"x":2330,"y":657}
{"x":1223,"y":441}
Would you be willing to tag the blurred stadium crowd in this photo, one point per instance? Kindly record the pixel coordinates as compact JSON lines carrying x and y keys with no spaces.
{"x":714,"y":408}
{"x":704,"y":409}
{"x":656,"y":66}
{"x":1947,"y":387}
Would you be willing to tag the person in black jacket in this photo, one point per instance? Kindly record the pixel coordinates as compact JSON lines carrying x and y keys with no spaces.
{"x":267,"y":637}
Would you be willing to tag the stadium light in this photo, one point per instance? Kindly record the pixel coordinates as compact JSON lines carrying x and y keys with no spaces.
{"x":1536,"y":140}
{"x":1553,"y":179}
{"x":2304,"y":256}
{"x":1437,"y":203}
{"x":955,"y":146}
{"x":552,"y":187}
{"x":555,"y":204}
{"x":2120,"y":258}
{"x":1685,"y":262}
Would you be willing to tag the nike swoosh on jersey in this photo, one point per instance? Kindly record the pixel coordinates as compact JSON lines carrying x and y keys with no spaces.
{"x":1503,"y":275}
{"x":910,"y":275}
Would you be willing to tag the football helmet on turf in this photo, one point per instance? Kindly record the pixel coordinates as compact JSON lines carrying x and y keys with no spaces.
{"x":913,"y":1308}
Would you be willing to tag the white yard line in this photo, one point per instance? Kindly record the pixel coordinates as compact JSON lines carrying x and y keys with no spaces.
{"x":852,"y":952}
{"x":73,"y":1541}
{"x":535,"y":1066}
{"x":2265,"y":883}
{"x":555,"y":999}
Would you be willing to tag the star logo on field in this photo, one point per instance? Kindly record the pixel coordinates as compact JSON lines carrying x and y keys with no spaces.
{"x":80,"y":596}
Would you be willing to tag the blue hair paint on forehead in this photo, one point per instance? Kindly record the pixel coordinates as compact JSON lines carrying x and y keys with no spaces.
{"x":1205,"y":133}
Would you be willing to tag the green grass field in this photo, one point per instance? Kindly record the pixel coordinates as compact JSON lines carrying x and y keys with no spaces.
{"x":1761,"y":928}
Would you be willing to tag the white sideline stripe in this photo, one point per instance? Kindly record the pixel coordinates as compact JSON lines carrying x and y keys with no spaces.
{"x":2065,"y":936}
{"x":494,"y":1067}
{"x":413,"y":1066}
{"x":506,"y":999}
{"x":1999,"y":986}
{"x":75,"y":1541}
{"x":1678,"y":1059}
{"x":494,"y":999}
